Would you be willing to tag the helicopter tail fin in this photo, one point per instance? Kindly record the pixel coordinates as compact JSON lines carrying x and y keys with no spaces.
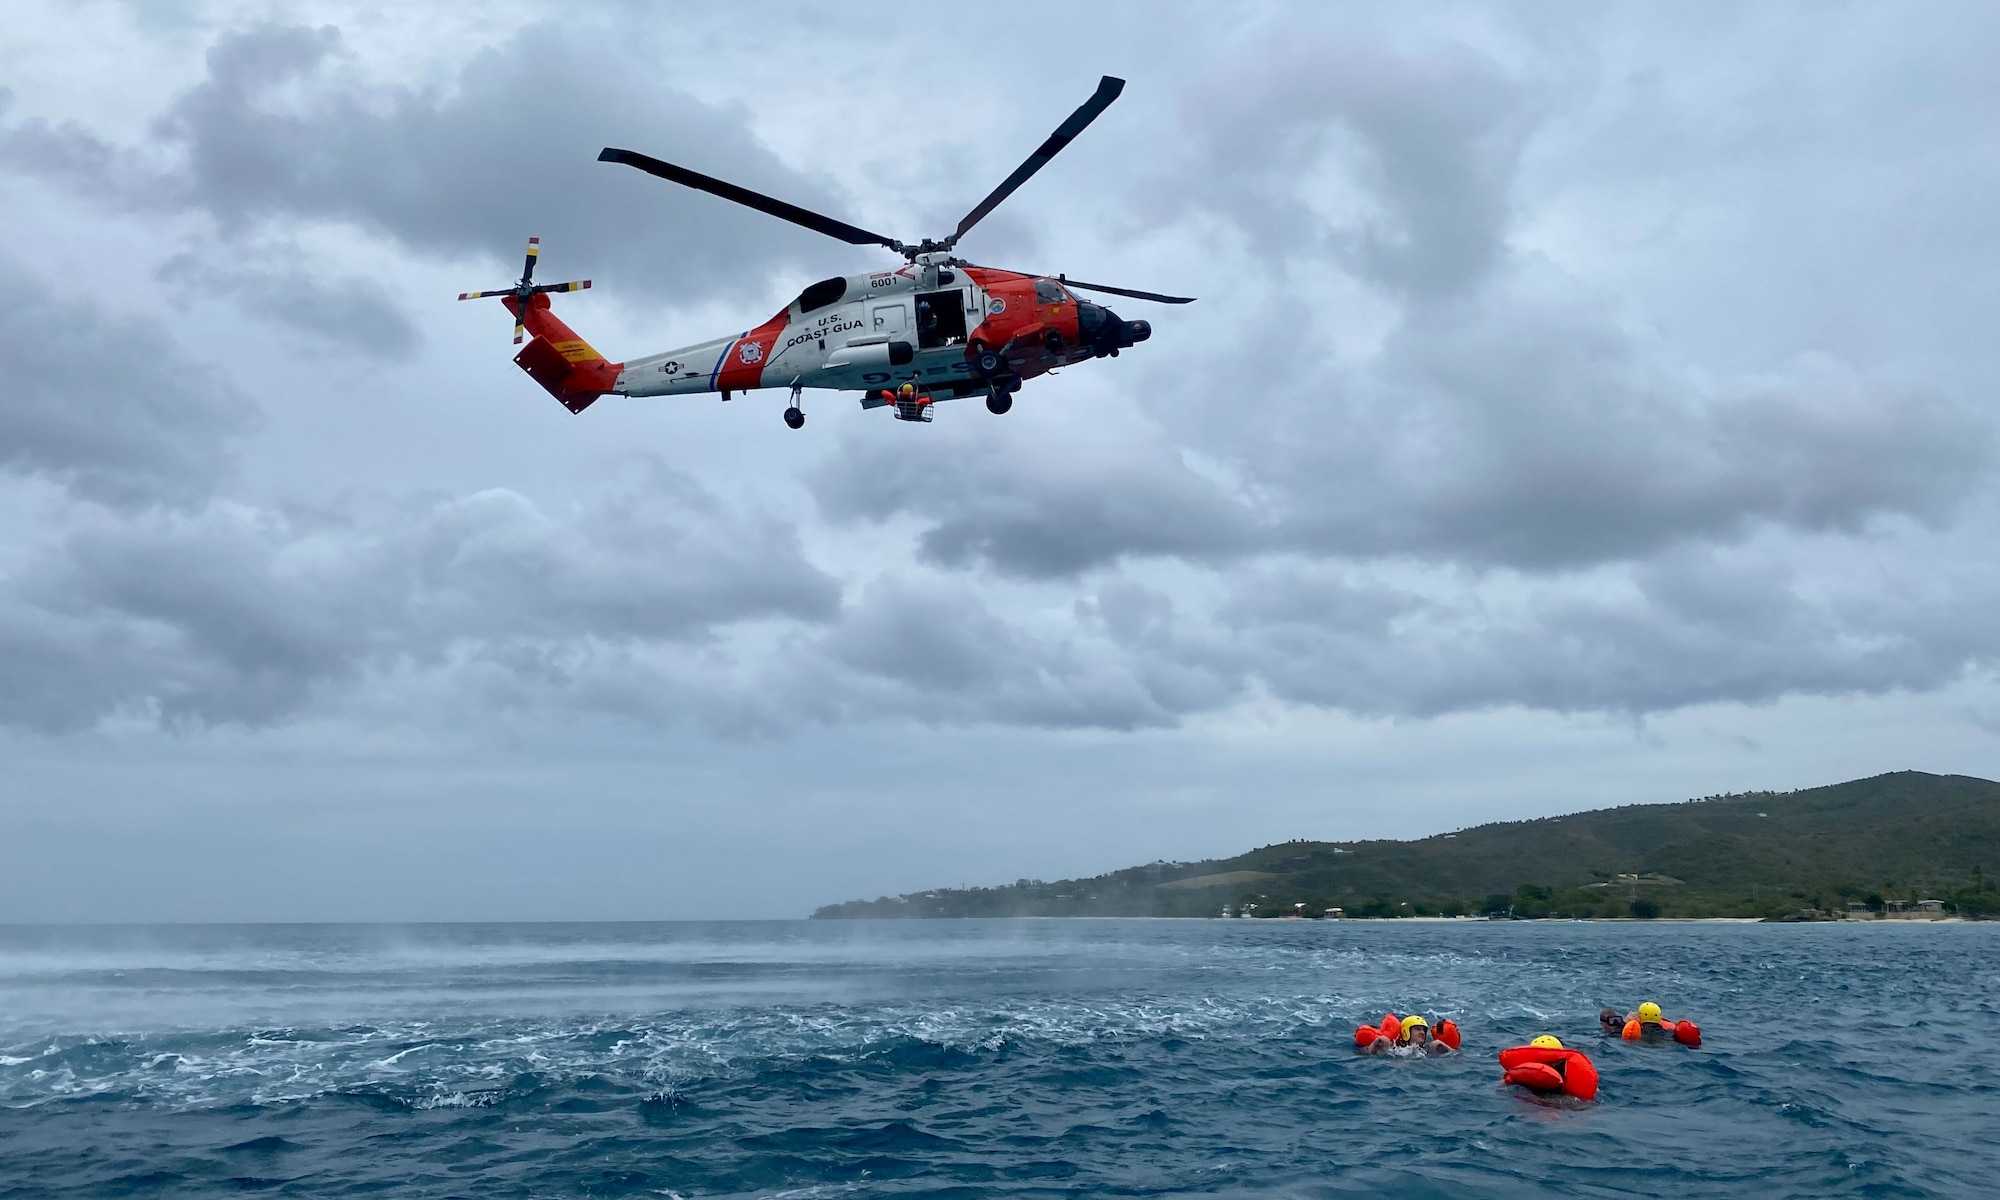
{"x":569,"y":368}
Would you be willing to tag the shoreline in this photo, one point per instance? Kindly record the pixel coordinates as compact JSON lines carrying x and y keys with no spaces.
{"x":1641,"y":921}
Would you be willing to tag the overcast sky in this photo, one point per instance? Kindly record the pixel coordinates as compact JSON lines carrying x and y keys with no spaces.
{"x":1585,"y":405}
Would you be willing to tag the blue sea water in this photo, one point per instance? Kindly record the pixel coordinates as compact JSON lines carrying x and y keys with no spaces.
{"x":987,"y":1058}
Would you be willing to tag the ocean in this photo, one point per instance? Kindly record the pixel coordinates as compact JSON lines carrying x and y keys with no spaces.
{"x":988,"y":1058}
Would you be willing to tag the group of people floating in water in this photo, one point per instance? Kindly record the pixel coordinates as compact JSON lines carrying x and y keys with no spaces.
{"x":1544,"y":1065}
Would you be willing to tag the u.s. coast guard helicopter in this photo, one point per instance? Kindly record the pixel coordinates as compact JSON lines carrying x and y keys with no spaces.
{"x":936,"y":328}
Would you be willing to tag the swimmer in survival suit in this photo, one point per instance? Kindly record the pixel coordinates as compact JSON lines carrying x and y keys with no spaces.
{"x":1648,"y":1026}
{"x":1548,"y":1067}
{"x":1407,"y":1036}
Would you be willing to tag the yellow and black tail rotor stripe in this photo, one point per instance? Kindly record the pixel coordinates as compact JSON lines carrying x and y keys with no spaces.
{"x":527,"y":287}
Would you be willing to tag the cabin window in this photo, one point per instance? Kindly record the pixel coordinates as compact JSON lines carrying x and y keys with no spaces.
{"x":1047,"y":291}
{"x":821,"y":294}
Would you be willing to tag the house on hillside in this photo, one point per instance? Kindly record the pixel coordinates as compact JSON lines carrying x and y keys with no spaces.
{"x":1898,"y":910}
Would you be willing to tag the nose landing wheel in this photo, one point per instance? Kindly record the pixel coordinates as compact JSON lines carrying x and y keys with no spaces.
{"x":999,"y":402}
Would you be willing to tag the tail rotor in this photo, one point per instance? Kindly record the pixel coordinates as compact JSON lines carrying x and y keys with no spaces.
{"x":527,"y":287}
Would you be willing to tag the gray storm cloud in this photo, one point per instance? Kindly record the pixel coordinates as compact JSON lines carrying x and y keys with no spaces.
{"x":237,"y":614}
{"x":149,"y":590}
{"x":1512,"y":417}
{"x":1584,"y":405}
{"x":1520,"y":495}
{"x":1423,"y":149}
{"x":1514,"y":427}
{"x":279,"y":135}
{"x":110,"y":407}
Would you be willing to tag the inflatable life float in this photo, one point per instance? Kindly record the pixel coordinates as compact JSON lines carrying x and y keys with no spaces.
{"x":1687,"y":1033}
{"x":1550,"y":1069}
{"x":1444,"y":1033}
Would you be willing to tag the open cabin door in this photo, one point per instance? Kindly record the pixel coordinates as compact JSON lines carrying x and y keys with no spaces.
{"x":941,"y":318}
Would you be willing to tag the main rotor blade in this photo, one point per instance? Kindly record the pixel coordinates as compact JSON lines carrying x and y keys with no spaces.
{"x":1107,"y":91}
{"x":853,"y":235}
{"x":1118,"y":291}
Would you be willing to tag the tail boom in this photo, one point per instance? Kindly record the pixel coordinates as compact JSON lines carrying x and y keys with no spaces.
{"x":568,"y":367}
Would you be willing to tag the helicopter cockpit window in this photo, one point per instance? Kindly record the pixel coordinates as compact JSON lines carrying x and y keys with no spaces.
{"x":821,"y":294}
{"x":1048,"y":291}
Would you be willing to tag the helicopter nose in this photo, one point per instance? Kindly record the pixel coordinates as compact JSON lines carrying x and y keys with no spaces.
{"x":1108,"y":332}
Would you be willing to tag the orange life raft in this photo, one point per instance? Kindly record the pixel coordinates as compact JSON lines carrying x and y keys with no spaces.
{"x":1687,"y":1033}
{"x":1550,"y":1070}
{"x":1444,"y":1032}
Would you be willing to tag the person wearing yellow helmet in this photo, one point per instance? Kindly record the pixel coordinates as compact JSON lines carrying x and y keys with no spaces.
{"x":1546,"y":1066}
{"x":1407,"y":1035}
{"x":1648,"y":1024}
{"x":1420,"y":1038}
{"x":1644,"y":1024}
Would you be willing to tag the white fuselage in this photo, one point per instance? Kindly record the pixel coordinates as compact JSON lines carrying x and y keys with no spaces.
{"x":868,"y":338}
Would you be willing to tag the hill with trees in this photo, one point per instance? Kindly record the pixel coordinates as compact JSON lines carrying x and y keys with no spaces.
{"x":1908,"y":835}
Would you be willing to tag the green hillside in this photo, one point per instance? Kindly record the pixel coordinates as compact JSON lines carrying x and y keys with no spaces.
{"x":1908,"y":835}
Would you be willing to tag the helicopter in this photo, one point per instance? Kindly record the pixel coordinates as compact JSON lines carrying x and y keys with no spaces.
{"x":936,"y":328}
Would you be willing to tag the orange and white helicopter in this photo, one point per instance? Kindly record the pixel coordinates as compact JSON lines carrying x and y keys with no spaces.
{"x":936,"y":328}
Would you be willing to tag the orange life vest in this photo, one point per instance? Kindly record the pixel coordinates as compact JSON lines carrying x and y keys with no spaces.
{"x":1687,"y":1033}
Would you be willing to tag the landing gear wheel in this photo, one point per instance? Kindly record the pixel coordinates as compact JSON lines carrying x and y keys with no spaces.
{"x":998,"y":403}
{"x":795,"y":417}
{"x":990,"y":362}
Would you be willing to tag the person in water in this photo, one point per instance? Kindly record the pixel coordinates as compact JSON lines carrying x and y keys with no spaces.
{"x":1417,"y":1038}
{"x":1413,"y":1036}
{"x":1648,"y":1024}
{"x":1546,"y":1066}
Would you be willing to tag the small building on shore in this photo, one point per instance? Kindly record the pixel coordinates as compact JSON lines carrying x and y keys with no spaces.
{"x":1898,"y":910}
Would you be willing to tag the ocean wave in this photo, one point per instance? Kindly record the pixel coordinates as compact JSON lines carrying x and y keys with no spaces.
{"x":1096,"y":1058}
